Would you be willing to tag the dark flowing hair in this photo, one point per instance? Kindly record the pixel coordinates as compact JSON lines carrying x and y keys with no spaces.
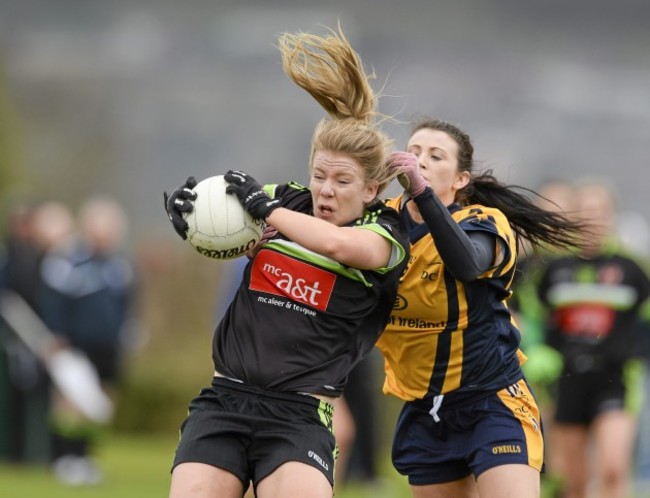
{"x":528,"y":221}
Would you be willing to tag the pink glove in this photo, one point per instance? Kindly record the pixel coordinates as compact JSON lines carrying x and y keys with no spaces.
{"x":268,"y":233}
{"x":407,"y":168}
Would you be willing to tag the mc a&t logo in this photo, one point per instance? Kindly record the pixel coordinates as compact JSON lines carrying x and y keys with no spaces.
{"x":278,"y":274}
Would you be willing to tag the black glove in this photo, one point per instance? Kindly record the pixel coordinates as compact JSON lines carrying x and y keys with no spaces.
{"x":251,"y":195}
{"x":179,"y":202}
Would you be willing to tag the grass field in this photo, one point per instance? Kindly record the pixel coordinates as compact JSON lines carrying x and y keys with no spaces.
{"x":133,"y":466}
{"x":138,"y":467}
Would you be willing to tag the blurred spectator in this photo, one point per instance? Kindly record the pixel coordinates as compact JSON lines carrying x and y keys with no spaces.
{"x":593,"y":300}
{"x":24,"y":406}
{"x":87,"y":301}
{"x":634,"y":232}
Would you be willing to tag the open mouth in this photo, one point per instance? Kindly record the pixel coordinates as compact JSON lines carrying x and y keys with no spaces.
{"x":325,"y":211}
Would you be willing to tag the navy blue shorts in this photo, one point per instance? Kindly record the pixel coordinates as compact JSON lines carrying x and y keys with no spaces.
{"x":250,"y":431}
{"x":472,"y":436}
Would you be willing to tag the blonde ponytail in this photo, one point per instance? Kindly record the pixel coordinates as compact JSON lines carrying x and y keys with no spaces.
{"x":331,"y":71}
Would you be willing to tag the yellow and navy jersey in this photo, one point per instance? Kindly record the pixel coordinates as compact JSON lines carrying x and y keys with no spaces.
{"x":300,"y":321}
{"x":445,"y":335}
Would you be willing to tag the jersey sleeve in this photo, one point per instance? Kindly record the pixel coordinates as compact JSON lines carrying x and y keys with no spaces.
{"x":385,"y":221}
{"x":492,"y":221}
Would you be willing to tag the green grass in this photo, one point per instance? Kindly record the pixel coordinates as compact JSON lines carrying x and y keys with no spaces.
{"x":389,"y":484}
{"x":133,"y":466}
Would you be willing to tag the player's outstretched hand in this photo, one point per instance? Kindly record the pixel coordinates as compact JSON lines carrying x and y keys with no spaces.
{"x":269,"y":233}
{"x":251,"y":194}
{"x":407,"y":168}
{"x":179,"y":202}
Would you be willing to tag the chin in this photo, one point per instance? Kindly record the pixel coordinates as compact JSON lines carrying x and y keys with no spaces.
{"x":328,"y":218}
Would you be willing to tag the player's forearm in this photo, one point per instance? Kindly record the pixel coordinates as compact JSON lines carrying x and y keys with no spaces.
{"x":464,"y":256}
{"x":353,"y":247}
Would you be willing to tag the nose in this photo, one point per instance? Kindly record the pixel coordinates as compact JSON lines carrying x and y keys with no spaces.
{"x":327,"y":189}
{"x":421,"y":161}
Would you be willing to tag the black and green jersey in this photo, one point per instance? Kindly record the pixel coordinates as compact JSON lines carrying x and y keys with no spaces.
{"x":300,"y":321}
{"x":594,"y":307}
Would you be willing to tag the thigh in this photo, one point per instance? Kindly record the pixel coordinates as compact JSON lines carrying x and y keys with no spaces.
{"x":294,"y":480}
{"x":521,"y":481}
{"x":462,"y":488}
{"x":613,"y":433}
{"x":569,"y":447}
{"x":198,"y":480}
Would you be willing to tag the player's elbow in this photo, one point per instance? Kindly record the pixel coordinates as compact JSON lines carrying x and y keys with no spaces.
{"x":336,"y":248}
{"x":466,"y":273}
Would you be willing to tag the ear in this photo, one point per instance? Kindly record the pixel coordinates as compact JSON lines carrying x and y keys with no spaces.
{"x":370,"y":191}
{"x":462,"y":180}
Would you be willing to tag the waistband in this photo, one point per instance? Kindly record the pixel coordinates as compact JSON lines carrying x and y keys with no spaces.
{"x":237,"y":386}
{"x":454,"y":399}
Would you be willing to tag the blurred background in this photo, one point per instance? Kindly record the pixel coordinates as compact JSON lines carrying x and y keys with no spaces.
{"x":128,"y":98}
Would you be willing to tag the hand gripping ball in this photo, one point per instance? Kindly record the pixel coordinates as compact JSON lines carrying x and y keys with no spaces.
{"x":219,"y":227}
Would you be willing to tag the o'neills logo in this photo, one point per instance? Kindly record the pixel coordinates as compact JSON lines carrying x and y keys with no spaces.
{"x":506,"y":448}
{"x":231,"y":252}
{"x":275,"y":273}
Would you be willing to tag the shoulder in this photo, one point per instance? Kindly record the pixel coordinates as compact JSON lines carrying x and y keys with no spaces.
{"x":385,"y":221}
{"x":478,"y":213}
{"x":395,"y":202}
{"x":380,"y":214}
{"x":489,"y":219}
{"x":294,"y":196}
{"x":282,"y":189}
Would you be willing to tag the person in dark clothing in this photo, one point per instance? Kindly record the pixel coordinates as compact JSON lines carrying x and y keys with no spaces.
{"x":87,"y":300}
{"x":592,"y":300}
{"x":312,"y":301}
{"x":24,"y":435}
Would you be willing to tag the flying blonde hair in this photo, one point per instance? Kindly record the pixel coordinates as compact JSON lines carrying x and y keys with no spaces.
{"x":332,"y":72}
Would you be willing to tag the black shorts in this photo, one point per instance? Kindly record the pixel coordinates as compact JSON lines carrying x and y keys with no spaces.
{"x":250,"y":431}
{"x":581,"y":397}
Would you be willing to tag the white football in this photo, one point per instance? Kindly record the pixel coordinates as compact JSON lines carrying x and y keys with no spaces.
{"x":219,"y":227}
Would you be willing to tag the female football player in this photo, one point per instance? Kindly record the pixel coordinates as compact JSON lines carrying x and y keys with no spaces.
{"x":593,"y":302}
{"x":312,"y":302}
{"x":470,"y":425}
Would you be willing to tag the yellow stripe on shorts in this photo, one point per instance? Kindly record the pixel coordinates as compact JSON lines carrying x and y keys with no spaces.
{"x":521,"y":402}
